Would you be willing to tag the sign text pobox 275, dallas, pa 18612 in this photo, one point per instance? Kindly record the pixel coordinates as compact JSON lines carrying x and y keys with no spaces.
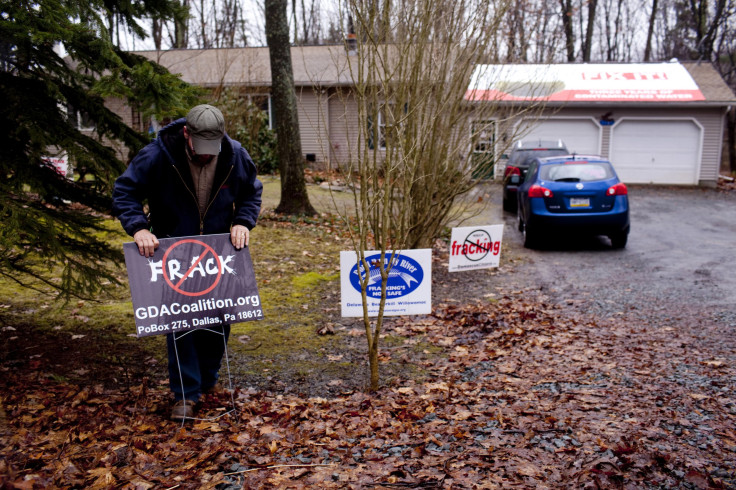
{"x":190,"y":283}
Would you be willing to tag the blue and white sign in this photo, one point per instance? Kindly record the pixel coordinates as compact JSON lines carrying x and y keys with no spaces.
{"x":408,"y":289}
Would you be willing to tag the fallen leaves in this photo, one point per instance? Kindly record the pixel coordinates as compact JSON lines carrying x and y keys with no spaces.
{"x":521,"y":395}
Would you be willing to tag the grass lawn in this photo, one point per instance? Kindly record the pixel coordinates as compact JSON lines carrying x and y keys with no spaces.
{"x":297,"y":270}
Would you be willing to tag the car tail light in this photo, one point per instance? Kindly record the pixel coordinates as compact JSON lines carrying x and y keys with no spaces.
{"x":617,"y":190}
{"x":511,"y":171}
{"x":539,"y":191}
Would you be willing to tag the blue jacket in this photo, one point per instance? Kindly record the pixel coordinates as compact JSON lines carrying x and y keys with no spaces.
{"x":159,"y":175}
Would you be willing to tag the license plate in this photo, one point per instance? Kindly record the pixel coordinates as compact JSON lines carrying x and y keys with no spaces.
{"x":579,"y":202}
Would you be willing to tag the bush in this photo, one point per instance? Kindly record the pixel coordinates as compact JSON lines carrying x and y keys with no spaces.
{"x":248,"y":123}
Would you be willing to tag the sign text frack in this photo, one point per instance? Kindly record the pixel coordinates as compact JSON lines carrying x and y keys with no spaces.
{"x":190,"y":283}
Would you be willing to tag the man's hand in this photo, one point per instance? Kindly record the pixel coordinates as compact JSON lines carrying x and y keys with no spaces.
{"x":146,"y":241}
{"x":239,"y":235}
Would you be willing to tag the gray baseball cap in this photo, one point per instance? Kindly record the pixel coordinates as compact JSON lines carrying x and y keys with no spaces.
{"x":206,"y":126}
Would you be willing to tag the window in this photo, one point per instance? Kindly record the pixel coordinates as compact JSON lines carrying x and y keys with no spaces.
{"x":483,"y":136}
{"x":387,"y":124}
{"x":576,"y":172}
{"x":483,"y":141}
{"x":79,"y":119}
{"x":377,"y":132}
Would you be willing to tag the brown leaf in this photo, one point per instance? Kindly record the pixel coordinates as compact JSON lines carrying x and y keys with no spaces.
{"x":103,"y":478}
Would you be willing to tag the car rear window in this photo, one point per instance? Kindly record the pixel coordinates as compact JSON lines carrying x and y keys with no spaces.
{"x":576,"y":172}
{"x":520,"y":156}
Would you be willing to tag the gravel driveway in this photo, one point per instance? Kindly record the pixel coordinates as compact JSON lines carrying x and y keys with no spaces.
{"x":679,"y":262}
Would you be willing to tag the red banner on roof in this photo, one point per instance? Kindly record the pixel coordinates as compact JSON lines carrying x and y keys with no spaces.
{"x":658,"y":82}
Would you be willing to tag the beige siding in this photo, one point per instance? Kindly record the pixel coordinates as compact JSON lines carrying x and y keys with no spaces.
{"x":313,"y":121}
{"x":606,"y":142}
{"x":711,"y":120}
{"x":344,"y":130}
{"x":129,"y":116}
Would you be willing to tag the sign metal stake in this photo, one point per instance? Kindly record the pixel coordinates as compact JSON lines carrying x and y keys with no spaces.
{"x":229,"y":377}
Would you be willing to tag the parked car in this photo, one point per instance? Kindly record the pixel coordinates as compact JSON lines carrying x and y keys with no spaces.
{"x":573,"y":193}
{"x":522,"y":153}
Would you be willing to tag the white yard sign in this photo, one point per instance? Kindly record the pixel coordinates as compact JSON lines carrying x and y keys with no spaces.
{"x":475,"y":247}
{"x":60,"y":163}
{"x":409,"y":287}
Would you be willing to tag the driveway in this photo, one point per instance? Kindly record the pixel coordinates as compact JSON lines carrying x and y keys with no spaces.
{"x":679,"y":264}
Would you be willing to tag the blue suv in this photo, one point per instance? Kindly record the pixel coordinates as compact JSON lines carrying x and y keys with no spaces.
{"x":522,"y":153}
{"x":572,"y":193}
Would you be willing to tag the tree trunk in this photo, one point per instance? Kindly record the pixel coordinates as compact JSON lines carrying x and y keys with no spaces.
{"x":650,"y":32}
{"x":373,"y":363}
{"x":180,"y":27}
{"x":566,"y":6}
{"x":589,"y":30}
{"x":204,"y":42}
{"x":294,"y":197}
{"x":156,"y":32}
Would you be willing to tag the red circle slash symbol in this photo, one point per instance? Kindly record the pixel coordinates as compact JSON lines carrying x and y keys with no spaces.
{"x":177,"y":287}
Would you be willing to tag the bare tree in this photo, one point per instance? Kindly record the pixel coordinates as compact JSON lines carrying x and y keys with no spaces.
{"x":230,"y":26}
{"x":157,"y":32}
{"x":181,"y":30}
{"x":294,"y":197}
{"x":650,"y":31}
{"x":725,"y":56}
{"x":219,"y":24}
{"x":566,"y":12}
{"x":413,"y":159}
{"x":706,"y":22}
{"x":517,"y":40}
{"x":613,"y":25}
{"x":547,"y":33}
{"x":590,"y":26}
{"x":692,"y":27}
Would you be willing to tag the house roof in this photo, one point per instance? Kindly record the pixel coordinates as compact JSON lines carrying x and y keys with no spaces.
{"x":328,"y":65}
{"x":710,"y":82}
{"x":312,"y":65}
{"x":591,"y":83}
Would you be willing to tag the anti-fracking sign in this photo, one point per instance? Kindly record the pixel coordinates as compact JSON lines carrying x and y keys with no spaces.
{"x":589,"y":82}
{"x":475,"y":247}
{"x":191,"y":283}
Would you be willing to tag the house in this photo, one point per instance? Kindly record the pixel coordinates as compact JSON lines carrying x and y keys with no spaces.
{"x":321,"y":77}
{"x":659,"y":123}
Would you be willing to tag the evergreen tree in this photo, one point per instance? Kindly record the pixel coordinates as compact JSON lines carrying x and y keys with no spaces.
{"x":53,"y":227}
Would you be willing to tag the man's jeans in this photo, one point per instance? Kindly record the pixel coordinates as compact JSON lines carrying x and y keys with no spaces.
{"x":200,"y":355}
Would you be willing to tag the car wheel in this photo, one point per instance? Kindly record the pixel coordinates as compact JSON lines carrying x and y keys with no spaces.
{"x":618,"y":240}
{"x":530,"y":236}
{"x":508,"y":205}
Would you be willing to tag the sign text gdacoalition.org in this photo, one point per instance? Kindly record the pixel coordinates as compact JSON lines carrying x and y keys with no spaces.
{"x":190,"y":283}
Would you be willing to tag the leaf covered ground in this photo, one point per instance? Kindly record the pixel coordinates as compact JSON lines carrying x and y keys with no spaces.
{"x":519,"y":394}
{"x":501,"y":387}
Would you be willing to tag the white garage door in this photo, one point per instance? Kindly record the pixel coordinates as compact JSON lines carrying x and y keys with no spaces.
{"x":658,"y":152}
{"x":581,"y":136}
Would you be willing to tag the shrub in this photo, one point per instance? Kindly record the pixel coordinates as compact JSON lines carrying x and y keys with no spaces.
{"x":248,"y":123}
